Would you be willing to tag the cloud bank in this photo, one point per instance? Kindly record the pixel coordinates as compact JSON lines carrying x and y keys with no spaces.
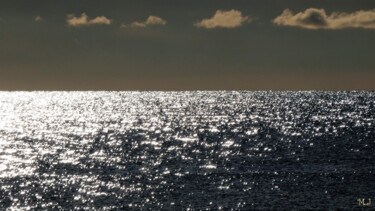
{"x":224,"y":19}
{"x":84,"y":20}
{"x":314,"y":18}
{"x":151,"y":20}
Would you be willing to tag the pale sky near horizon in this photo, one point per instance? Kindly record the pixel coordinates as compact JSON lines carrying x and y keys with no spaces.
{"x":187,"y":45}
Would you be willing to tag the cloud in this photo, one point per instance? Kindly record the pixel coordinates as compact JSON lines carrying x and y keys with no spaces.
{"x":154,"y":20}
{"x":224,"y":19}
{"x":100,"y":20}
{"x":84,"y":20}
{"x":38,"y":18}
{"x":138,"y":24}
{"x":151,"y":20}
{"x":314,"y":18}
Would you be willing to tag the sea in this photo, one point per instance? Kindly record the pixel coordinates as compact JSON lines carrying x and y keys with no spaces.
{"x":196,"y":150}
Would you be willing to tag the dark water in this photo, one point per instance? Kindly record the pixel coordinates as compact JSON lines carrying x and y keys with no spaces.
{"x":181,"y":150}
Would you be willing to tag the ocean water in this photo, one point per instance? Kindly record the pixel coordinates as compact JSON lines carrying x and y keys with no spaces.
{"x":187,"y":150}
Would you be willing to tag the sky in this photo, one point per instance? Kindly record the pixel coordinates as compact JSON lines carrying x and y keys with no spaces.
{"x":187,"y":45}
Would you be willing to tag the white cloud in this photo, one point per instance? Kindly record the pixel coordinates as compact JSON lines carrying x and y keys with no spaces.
{"x":154,"y":20}
{"x":38,"y":18}
{"x":84,"y":20}
{"x":77,"y":21}
{"x":151,"y":20}
{"x":100,"y":20}
{"x":224,"y":19}
{"x":314,"y":18}
{"x":138,"y":24}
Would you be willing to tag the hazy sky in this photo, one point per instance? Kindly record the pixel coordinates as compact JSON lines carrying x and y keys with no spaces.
{"x":187,"y":44}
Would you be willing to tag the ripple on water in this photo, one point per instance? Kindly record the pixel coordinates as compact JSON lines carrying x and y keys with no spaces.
{"x":186,"y":150}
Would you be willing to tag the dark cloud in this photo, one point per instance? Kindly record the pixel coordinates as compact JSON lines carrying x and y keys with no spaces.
{"x":314,"y":18}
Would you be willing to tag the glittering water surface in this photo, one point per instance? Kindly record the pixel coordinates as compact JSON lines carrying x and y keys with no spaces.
{"x":180,"y":150}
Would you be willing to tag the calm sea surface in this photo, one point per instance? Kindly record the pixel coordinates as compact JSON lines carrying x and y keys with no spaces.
{"x":181,"y":150}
